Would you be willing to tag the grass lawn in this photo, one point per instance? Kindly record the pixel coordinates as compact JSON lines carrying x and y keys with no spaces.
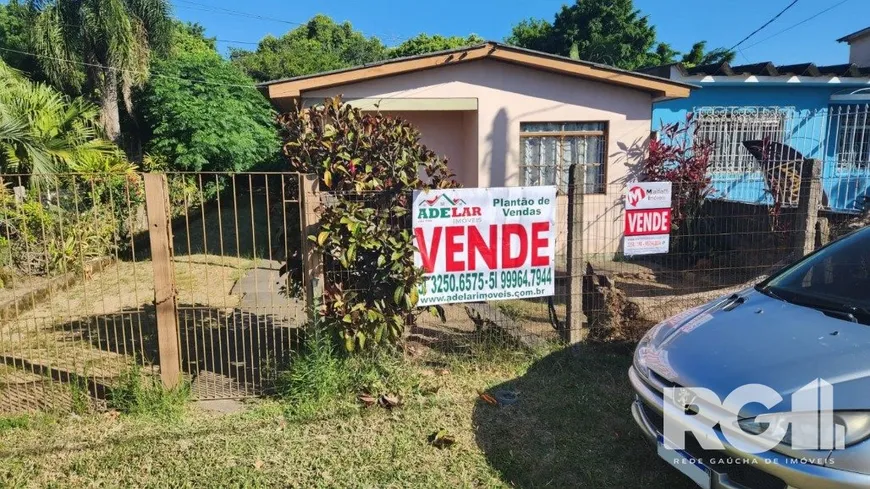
{"x":570,"y":428}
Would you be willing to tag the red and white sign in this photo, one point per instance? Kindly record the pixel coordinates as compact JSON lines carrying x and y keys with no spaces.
{"x":647,"y":222}
{"x":647,"y":218}
{"x":485,"y":244}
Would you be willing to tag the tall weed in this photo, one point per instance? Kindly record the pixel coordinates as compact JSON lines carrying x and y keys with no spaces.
{"x":144,"y":395}
{"x":325,"y":380}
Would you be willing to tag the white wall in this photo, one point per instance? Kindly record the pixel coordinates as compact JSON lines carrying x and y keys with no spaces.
{"x":859,"y":51}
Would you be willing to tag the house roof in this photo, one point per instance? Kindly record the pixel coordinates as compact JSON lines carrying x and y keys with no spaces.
{"x":855,"y":35}
{"x":846,"y":70}
{"x":293,"y":87}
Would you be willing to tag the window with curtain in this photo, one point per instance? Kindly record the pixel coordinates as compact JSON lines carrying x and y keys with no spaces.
{"x":549,"y":149}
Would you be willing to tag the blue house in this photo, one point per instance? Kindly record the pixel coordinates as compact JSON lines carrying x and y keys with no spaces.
{"x":819,"y":111}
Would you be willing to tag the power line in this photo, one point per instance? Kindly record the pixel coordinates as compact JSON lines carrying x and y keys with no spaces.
{"x":212,"y":8}
{"x":756,"y":31}
{"x":123,"y":70}
{"x":230,"y":41}
{"x":832,"y":7}
{"x":203,"y":7}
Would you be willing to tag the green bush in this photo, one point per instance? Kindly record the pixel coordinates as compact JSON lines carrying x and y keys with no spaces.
{"x":369,"y":163}
{"x":215,"y":125}
{"x":144,"y":395}
{"x":13,"y":422}
{"x":41,"y":239}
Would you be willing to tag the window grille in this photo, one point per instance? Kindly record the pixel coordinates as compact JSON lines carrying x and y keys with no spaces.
{"x":728,"y":127}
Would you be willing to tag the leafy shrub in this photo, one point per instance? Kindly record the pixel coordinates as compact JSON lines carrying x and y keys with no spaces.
{"x":56,"y":231}
{"x":144,"y":395}
{"x":92,"y":236}
{"x":114,"y":185}
{"x":46,"y":239}
{"x":369,"y":163}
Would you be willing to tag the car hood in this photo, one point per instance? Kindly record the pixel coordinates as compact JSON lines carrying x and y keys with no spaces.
{"x":724,"y":345}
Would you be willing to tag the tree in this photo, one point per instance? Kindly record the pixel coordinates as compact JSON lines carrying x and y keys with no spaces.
{"x":114,"y":39}
{"x":424,"y":43}
{"x":607,"y":31}
{"x":319,"y":45}
{"x":534,"y":34}
{"x":14,"y":25}
{"x":206,"y":115}
{"x":188,"y":37}
{"x":42,"y":131}
{"x":698,"y":56}
{"x":603,"y":31}
{"x":664,"y":54}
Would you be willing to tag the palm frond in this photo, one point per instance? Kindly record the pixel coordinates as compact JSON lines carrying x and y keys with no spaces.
{"x":52,"y":38}
{"x":156,"y":19}
{"x":41,"y":132}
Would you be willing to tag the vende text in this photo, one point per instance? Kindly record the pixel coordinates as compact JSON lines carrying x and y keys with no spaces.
{"x":647,"y":221}
{"x":462,"y":246}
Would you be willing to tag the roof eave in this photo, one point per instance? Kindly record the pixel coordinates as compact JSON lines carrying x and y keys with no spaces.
{"x":849,"y":38}
{"x":294,"y":87}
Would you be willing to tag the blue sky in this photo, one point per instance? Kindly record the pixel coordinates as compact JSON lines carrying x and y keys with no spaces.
{"x":680,"y":22}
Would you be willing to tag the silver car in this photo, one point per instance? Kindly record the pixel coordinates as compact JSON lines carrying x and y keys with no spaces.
{"x":808,"y":322}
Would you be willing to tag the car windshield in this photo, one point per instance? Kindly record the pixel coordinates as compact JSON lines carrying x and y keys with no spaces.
{"x":837,"y":277}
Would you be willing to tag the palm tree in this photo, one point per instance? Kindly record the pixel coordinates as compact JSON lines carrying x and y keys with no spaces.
{"x":42,"y":132}
{"x":112,"y":39}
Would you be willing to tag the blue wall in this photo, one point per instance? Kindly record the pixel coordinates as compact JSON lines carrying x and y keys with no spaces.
{"x":808,"y":133}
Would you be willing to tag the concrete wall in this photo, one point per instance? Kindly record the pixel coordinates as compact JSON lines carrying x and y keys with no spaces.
{"x":508,"y":95}
{"x":859,"y":51}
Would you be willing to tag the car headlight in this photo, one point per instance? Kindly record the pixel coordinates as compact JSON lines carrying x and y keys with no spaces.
{"x":852,"y":426}
{"x":640,"y":365}
{"x":639,"y":354}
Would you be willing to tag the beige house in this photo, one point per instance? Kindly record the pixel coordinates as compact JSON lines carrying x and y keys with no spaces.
{"x":506,"y":116}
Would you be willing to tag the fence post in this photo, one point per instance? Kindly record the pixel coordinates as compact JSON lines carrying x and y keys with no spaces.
{"x":574,"y":328}
{"x":165,"y":301}
{"x":309,"y":221}
{"x":809,"y":203}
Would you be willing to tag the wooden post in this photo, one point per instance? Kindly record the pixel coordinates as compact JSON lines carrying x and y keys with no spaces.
{"x":574,"y":329}
{"x":309,"y":221}
{"x":160,"y":233}
{"x":809,"y":203}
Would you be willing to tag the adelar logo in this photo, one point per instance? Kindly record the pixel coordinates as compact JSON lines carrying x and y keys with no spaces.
{"x":443,"y":207}
{"x":443,"y":201}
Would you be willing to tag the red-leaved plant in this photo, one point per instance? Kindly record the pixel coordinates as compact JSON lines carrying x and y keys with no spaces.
{"x":679,"y":156}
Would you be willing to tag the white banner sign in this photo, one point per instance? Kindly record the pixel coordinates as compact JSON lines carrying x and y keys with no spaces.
{"x":647,"y":218}
{"x":484,"y":244}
